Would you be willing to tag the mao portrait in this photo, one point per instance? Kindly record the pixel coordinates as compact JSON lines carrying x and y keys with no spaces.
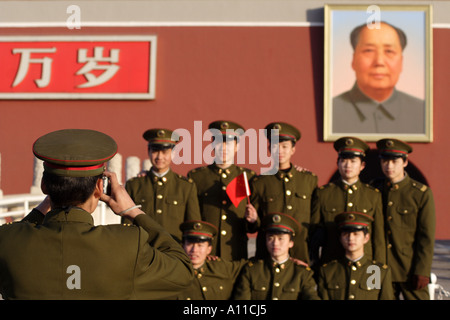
{"x":378,"y":74}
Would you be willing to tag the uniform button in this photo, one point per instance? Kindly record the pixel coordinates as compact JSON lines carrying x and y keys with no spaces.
{"x":389,"y":246}
{"x":389,"y":218}
{"x":224,"y":202}
{"x":159,"y":196}
{"x":164,"y":179}
{"x":350,"y":191}
{"x":350,"y":204}
{"x":353,"y":268}
{"x":224,"y":175}
{"x":390,"y":203}
{"x":263,"y":288}
{"x":286,"y":179}
{"x":405,"y":211}
{"x":277,"y":270}
{"x":288,"y":192}
{"x":304,"y":196}
{"x":224,"y":233}
{"x":224,"y":217}
{"x":351,"y":297}
{"x":221,"y":288}
{"x":353,"y":281}
{"x":158,"y":211}
{"x":275,"y":298}
{"x":175,"y":202}
{"x":224,"y":187}
{"x":276,"y":284}
{"x":160,"y":183}
{"x":364,"y":210}
{"x":289,"y":207}
{"x":204,"y":289}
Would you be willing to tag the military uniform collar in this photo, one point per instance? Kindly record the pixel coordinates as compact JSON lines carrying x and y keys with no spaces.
{"x":70,"y":214}
{"x":398,"y":185}
{"x":198,"y":273}
{"x":219,"y":171}
{"x":286,"y":175}
{"x":358,"y":263}
{"x":162,"y":179}
{"x":277,"y":266}
{"x":345,"y":186}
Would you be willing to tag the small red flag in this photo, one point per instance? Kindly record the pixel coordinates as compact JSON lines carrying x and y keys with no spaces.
{"x":238,"y":189}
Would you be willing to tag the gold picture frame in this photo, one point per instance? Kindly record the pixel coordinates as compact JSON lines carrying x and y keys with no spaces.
{"x":361,"y":95}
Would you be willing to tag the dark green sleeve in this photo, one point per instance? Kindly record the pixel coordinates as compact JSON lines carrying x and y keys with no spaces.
{"x":35,"y":216}
{"x":162,"y":258}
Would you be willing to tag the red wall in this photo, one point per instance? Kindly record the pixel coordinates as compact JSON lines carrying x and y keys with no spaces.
{"x":252,"y":75}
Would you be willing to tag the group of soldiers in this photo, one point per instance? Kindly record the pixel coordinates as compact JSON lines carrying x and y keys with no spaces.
{"x":395,"y":212}
{"x":183,"y":237}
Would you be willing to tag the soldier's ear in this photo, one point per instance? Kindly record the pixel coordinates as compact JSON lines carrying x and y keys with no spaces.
{"x":43,"y":188}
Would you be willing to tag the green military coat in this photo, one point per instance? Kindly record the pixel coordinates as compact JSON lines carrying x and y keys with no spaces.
{"x":268,"y":280}
{"x":64,"y":256}
{"x":216,"y":208}
{"x":337,"y":197}
{"x":410,"y":227}
{"x":285,"y":192}
{"x":213,"y":281}
{"x":170,"y":200}
{"x":364,"y":279}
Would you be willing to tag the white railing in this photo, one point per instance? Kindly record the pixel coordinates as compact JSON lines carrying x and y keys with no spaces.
{"x":20,"y":203}
{"x":19,"y":206}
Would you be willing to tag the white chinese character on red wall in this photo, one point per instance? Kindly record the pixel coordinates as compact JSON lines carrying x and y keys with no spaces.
{"x":26,"y":60}
{"x":91,"y":63}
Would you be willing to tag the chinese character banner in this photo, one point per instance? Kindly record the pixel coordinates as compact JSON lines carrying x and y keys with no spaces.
{"x":56,"y":68}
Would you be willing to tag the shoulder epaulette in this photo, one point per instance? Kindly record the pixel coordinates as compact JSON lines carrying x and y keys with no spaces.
{"x":371,"y":187}
{"x":420,"y":186}
{"x":308,"y":172}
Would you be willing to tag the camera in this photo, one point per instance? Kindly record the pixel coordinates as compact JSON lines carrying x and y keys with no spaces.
{"x":106,"y":186}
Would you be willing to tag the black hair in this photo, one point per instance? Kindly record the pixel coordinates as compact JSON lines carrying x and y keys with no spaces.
{"x":69,"y":191}
{"x":354,"y":35}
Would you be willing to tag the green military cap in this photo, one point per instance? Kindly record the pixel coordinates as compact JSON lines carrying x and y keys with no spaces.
{"x":351,"y":146}
{"x":161,"y":138}
{"x":228,"y":129}
{"x":280,"y":222}
{"x":75,"y":152}
{"x":353,"y":221}
{"x":393,"y":148}
{"x":285,"y":131}
{"x":198,"y":230}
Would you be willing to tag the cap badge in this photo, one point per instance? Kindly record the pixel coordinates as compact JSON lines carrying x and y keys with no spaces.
{"x":224,"y":125}
{"x":276,"y":218}
{"x":389,"y":143}
{"x":351,"y":217}
{"x":277,"y":126}
{"x":197,"y":226}
{"x":160,"y":133}
{"x":349,"y":142}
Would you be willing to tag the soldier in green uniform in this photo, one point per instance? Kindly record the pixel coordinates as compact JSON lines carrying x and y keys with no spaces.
{"x":289,"y":191}
{"x":347,"y":193}
{"x":277,"y":277}
{"x":409,"y":214}
{"x":60,"y":254}
{"x":166,"y":196}
{"x":213,"y":278}
{"x":354,"y":276}
{"x":212,"y":182}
